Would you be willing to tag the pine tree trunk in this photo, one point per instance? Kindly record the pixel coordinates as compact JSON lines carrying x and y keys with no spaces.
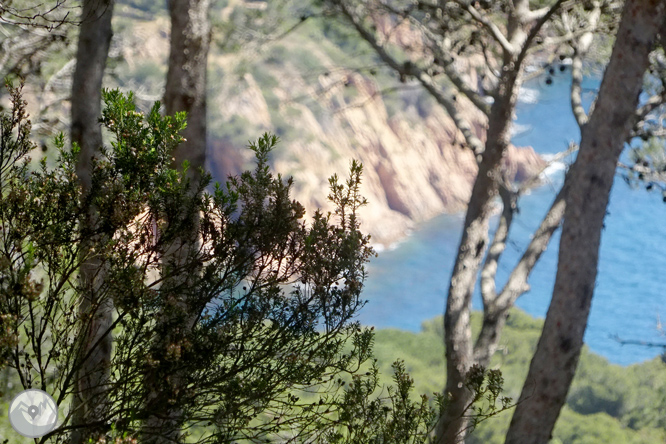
{"x":93,"y":48}
{"x":186,"y":77}
{"x":603,"y":137}
{"x":457,"y":330}
{"x":185,"y":91}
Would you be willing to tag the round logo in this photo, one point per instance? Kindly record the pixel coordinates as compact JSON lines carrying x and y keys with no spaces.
{"x":33,"y":413}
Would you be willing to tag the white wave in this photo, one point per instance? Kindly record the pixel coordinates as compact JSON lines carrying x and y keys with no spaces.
{"x":554,"y":169}
{"x":528,"y":95}
{"x":380,"y":248}
{"x":517,"y":129}
{"x":399,"y":242}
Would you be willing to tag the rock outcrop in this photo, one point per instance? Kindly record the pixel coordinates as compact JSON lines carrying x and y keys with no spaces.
{"x":415,"y":163}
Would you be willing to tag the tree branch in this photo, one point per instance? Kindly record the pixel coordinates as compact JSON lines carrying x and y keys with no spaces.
{"x":517,"y":283}
{"x":497,"y":247}
{"x":446,"y":63}
{"x":495,"y":32}
{"x":537,"y":14}
{"x":496,"y":307}
{"x":635,"y":342}
{"x":444,"y":60}
{"x":535,"y":30}
{"x":529,"y":183}
{"x":580,"y":50}
{"x":495,"y":315}
{"x":650,"y":105}
{"x":448,"y":103}
{"x":409,"y":69}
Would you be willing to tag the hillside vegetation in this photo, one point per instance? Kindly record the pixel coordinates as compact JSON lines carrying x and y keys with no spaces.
{"x":319,"y":88}
{"x":607,"y":403}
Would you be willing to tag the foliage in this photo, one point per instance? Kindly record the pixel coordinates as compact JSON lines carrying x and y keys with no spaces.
{"x":270,"y":300}
{"x":392,"y":419}
{"x":252,"y":342}
{"x":14,"y":145}
{"x":606,"y":403}
{"x":648,"y":162}
{"x":487,"y":387}
{"x":643,"y":390}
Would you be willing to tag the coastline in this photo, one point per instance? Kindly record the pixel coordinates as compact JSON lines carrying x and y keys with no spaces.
{"x":524,"y":170}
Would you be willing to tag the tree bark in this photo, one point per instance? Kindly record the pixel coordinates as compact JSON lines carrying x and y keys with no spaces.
{"x":457,"y":329}
{"x":522,"y":26}
{"x":185,"y":91}
{"x":554,"y":363}
{"x":186,"y":78}
{"x":93,"y":48}
{"x":460,"y":352}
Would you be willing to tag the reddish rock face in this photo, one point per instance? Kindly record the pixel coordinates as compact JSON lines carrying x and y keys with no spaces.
{"x":415,"y":166}
{"x":523,"y":163}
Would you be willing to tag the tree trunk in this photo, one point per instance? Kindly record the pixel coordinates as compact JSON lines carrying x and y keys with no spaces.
{"x":186,"y":77}
{"x":93,"y":48}
{"x":522,"y":27}
{"x":457,"y":330}
{"x":185,"y":91}
{"x":460,"y":352}
{"x":554,"y":363}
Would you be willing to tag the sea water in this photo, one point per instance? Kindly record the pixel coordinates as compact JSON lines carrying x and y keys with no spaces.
{"x":408,"y":284}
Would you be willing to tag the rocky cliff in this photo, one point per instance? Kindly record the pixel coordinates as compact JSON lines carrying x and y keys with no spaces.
{"x":415,"y":164}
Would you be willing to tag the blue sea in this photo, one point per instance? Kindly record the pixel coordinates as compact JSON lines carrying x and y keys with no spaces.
{"x":408,"y":284}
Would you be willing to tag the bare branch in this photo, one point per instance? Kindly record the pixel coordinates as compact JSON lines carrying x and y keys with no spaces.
{"x":580,"y":50}
{"x":495,"y":317}
{"x":646,"y":174}
{"x":444,"y":60}
{"x":446,"y":63}
{"x":497,"y":247}
{"x":449,"y":104}
{"x":375,"y":95}
{"x":532,"y":181}
{"x":537,"y":14}
{"x":409,"y":69}
{"x":650,"y":105}
{"x":535,"y":30}
{"x":495,"y":32}
{"x":49,"y":18}
{"x":496,"y":307}
{"x":557,"y":40}
{"x":517,"y":283}
{"x":636,"y":342}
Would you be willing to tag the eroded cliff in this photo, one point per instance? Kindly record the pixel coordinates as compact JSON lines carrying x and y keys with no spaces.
{"x":415,"y":163}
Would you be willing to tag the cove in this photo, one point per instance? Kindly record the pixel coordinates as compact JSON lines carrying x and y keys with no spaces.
{"x":408,"y":284}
